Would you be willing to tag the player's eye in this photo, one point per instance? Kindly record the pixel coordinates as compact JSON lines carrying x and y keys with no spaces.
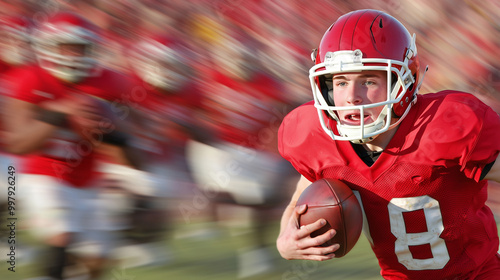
{"x":341,"y":83}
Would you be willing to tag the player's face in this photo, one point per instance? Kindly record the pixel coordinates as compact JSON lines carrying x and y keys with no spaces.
{"x":73,"y":49}
{"x":351,"y":89}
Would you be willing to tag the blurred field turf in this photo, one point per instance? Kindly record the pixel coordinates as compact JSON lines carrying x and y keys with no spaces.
{"x":216,"y":258}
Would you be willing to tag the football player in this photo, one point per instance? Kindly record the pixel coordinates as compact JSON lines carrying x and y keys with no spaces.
{"x":15,"y":53}
{"x":64,"y":114}
{"x":237,"y":167}
{"x":165,"y":101}
{"x":419,"y":163}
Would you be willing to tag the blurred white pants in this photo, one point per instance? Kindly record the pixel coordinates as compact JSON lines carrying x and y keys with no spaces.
{"x":52,"y":207}
{"x":246,"y":174}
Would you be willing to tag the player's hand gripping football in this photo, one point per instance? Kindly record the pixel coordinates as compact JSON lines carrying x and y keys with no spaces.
{"x":85,"y":114}
{"x":295,"y":242}
{"x":91,"y":114}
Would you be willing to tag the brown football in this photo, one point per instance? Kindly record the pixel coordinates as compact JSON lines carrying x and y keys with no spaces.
{"x":335,"y":202}
{"x":94,"y":117}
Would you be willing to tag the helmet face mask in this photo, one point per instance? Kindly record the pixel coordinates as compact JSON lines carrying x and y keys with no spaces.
{"x":63,"y":32}
{"x":68,"y":67}
{"x":159,"y":75}
{"x":158,"y":62}
{"x":352,"y":45}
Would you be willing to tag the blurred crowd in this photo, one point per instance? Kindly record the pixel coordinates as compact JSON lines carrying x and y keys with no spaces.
{"x":457,"y":39}
{"x":197,"y":90}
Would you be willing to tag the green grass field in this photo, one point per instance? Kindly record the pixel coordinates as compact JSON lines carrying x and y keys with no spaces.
{"x":215,"y":258}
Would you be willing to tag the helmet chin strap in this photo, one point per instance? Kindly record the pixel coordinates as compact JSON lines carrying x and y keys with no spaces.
{"x":348,"y":131}
{"x":364,"y":140}
{"x":377,"y":125}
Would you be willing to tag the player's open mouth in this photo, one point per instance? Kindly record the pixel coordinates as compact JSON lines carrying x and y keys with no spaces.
{"x":355,"y":119}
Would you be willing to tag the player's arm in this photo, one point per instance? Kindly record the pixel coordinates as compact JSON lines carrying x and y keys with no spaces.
{"x":294,"y":242}
{"x":25,"y":132}
{"x":301,"y":186}
{"x":29,"y":125}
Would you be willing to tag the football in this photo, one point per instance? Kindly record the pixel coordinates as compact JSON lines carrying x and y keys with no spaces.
{"x":95,"y":117}
{"x":335,"y":202}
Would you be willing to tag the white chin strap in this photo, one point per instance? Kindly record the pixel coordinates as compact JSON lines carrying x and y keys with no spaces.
{"x":70,"y":69}
{"x":348,"y":131}
{"x":356,"y":134}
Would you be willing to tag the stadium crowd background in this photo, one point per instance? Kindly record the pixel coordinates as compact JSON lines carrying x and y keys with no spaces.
{"x":457,"y":39}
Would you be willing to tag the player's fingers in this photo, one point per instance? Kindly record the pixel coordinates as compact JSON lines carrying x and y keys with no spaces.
{"x":89,"y":117}
{"x":306,"y":230}
{"x":319,"y":257}
{"x":308,"y":242}
{"x":82,"y":112}
{"x":294,"y":218}
{"x":299,"y":210}
{"x":327,"y":252}
{"x":323,"y":238}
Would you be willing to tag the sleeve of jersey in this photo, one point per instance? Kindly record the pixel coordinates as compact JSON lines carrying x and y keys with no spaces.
{"x":25,"y":86}
{"x":292,"y":140}
{"x":486,"y":147}
{"x":462,"y":131}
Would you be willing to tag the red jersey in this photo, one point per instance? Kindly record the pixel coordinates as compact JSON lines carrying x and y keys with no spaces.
{"x":422,"y":198}
{"x":240,"y":109}
{"x":7,"y":74}
{"x":65,"y":154}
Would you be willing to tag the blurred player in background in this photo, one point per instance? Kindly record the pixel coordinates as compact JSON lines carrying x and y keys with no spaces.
{"x":15,"y":53}
{"x":63,"y":117}
{"x":238,"y":166}
{"x":165,"y":101}
{"x":418,"y":163}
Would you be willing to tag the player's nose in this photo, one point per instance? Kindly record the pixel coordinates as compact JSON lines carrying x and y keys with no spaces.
{"x":353,"y":95}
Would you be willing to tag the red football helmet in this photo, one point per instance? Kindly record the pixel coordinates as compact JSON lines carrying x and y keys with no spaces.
{"x":15,"y":39}
{"x":365,"y":40}
{"x":161,"y":62}
{"x":65,"y":46}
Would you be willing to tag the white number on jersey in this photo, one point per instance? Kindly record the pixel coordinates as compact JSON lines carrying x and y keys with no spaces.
{"x":435,"y":227}
{"x":434,"y":222}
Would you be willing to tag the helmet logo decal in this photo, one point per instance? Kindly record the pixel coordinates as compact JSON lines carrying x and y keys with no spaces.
{"x":343,"y":60}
